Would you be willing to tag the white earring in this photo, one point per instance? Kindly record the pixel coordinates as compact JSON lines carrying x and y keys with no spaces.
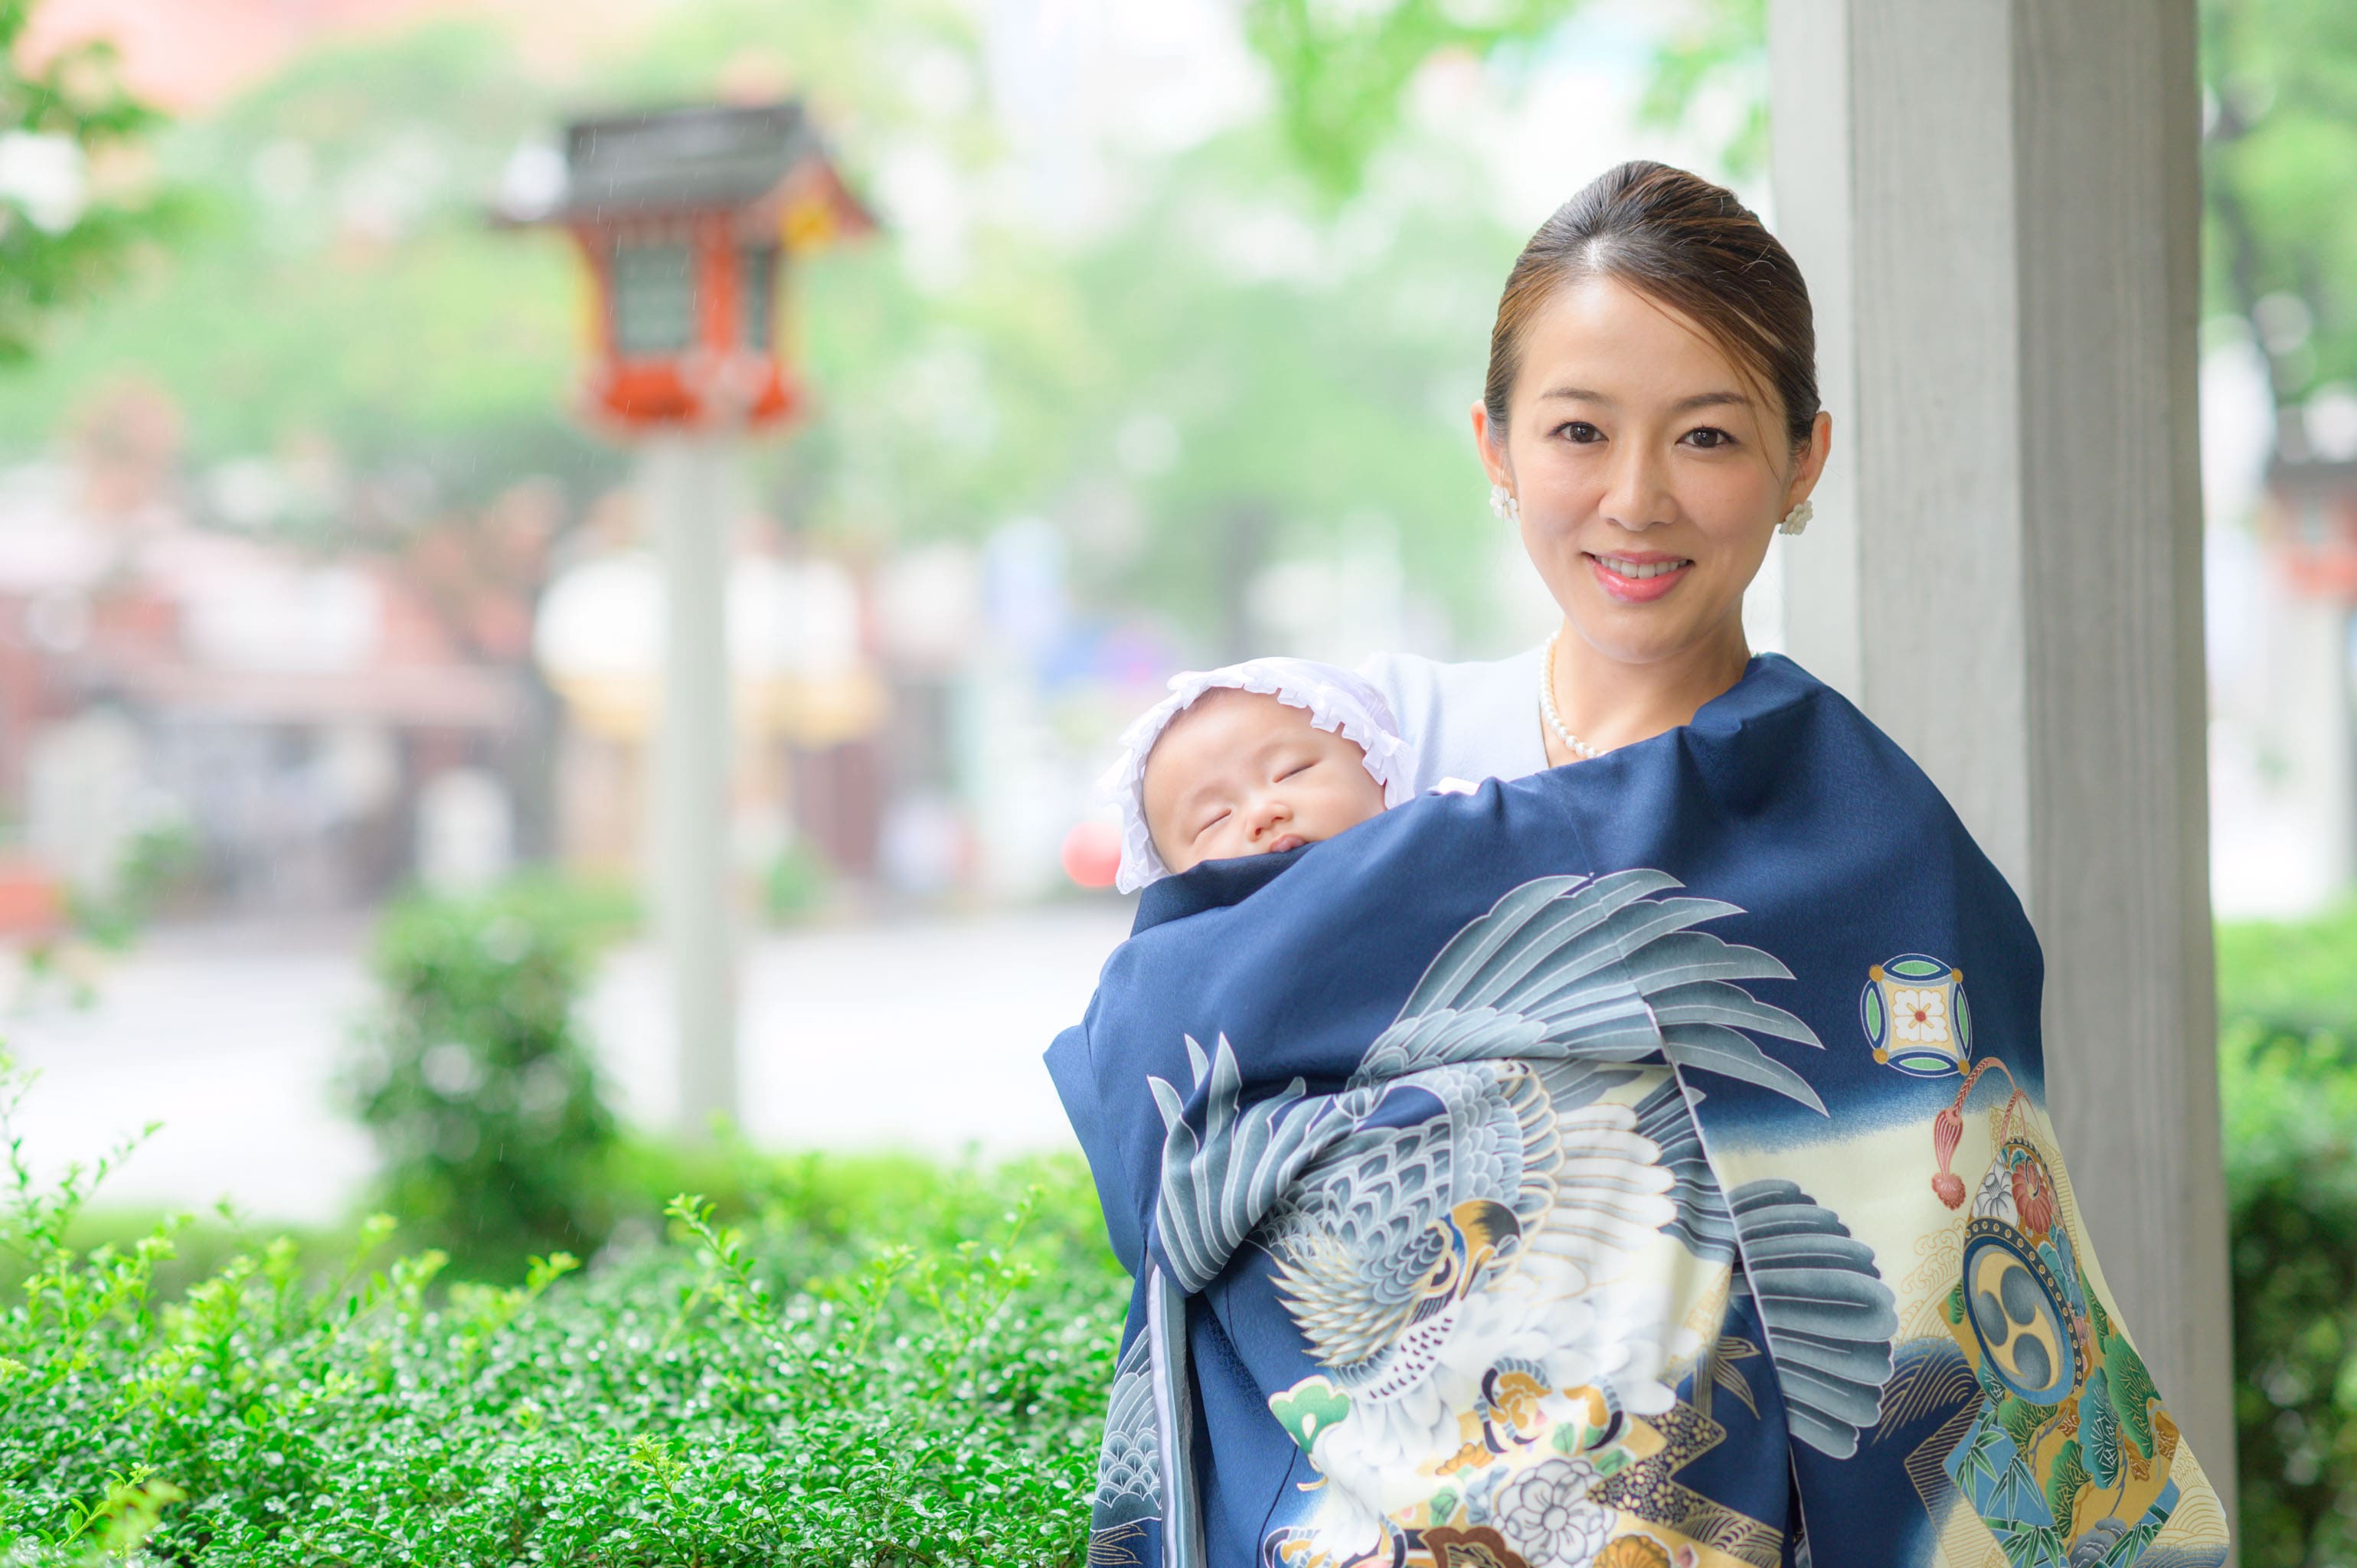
{"x":1503,"y":503}
{"x":1797,"y":519}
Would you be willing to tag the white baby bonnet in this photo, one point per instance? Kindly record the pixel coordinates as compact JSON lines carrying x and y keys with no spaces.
{"x":1338,"y":701}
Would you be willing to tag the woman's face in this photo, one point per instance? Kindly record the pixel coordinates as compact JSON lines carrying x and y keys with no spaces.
{"x":1651,"y":472}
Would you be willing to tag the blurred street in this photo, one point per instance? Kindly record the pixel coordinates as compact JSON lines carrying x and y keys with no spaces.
{"x":925,"y":1035}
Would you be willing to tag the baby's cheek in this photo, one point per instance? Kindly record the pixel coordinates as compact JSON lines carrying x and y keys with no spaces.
{"x":1350,"y":808}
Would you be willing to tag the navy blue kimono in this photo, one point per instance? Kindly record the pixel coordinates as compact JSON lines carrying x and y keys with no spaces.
{"x":1643,"y":1162}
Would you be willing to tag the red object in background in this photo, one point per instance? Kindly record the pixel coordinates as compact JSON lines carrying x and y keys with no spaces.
{"x":1091,"y":854}
{"x":689,"y":221}
{"x":2311,"y":526}
{"x":31,"y":903}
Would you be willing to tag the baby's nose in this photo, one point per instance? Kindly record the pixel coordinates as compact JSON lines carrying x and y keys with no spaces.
{"x":1267,"y":815}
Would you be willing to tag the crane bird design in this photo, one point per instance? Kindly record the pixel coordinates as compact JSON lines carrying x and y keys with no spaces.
{"x":1452,"y":1215}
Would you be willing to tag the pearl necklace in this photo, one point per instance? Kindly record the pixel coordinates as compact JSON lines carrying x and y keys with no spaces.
{"x":1546,"y":700}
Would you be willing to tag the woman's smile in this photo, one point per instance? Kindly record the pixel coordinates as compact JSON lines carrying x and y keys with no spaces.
{"x":1637,"y":576}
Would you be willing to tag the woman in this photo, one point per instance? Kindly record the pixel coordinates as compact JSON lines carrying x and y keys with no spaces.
{"x":1649,"y":419}
{"x":1609,"y":1166}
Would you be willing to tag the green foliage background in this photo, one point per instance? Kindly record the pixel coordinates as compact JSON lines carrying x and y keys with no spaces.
{"x":2287,"y":1060}
{"x":482,"y":1097}
{"x":1342,"y":71}
{"x":341,"y":285}
{"x":2280,"y":90}
{"x":878,"y":1362}
{"x":52,"y":264}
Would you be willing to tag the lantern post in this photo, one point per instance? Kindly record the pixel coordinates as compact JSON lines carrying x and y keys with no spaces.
{"x":685,"y":495}
{"x":688,"y":221}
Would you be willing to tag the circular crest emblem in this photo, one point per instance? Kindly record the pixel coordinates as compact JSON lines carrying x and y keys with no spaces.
{"x":2018,"y":1313}
{"x":1916,"y":1017}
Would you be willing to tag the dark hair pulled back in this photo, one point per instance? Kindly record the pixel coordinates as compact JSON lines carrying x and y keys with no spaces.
{"x":1691,"y":245}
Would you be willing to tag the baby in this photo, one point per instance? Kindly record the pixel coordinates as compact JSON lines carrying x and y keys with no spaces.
{"x":1253,"y":759}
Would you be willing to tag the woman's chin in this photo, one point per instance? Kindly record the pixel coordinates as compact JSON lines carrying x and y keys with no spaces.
{"x":1635,"y":634}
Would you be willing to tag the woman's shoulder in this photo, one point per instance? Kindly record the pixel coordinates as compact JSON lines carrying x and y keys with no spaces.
{"x":1412,"y":680}
{"x":1466,"y":718}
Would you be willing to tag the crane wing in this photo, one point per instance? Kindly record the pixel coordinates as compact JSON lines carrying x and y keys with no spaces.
{"x":1830,"y":1318}
{"x":1600,"y":970}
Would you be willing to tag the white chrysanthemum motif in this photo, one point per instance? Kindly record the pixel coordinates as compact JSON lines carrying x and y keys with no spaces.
{"x":1994,"y":1199}
{"x":1921,"y":1015}
{"x":1547,"y":1517}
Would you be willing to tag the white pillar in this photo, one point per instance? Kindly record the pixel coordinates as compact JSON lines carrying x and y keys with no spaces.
{"x":1995,"y":204}
{"x":684,"y":486}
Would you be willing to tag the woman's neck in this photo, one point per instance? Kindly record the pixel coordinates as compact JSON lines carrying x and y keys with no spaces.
{"x":1608,"y":703}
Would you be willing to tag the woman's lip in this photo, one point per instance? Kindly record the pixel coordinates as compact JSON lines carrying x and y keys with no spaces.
{"x":1639,"y":590}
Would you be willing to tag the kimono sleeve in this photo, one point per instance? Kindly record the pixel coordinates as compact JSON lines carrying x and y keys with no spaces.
{"x":1072,"y":1064}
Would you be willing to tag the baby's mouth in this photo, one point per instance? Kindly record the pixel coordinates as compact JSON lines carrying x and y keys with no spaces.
{"x":1285,"y":841}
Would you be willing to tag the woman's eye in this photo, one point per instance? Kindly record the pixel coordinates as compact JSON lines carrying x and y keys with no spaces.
{"x":1580,"y":432}
{"x":1708,"y":437}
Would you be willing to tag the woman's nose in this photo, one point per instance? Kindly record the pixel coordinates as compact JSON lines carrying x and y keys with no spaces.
{"x":1635,"y":498}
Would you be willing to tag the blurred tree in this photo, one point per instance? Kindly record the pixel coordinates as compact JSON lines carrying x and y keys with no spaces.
{"x":1342,"y":70}
{"x":78,"y":193}
{"x":1279,"y":386}
{"x":1223,"y":373}
{"x":1716,"y":46}
{"x":2279,"y":141}
{"x":424,"y":352}
{"x":2280,"y":87}
{"x":1213,"y":372}
{"x":475,"y":1081}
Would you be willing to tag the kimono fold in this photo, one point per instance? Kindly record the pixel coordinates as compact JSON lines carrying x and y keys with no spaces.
{"x":1640,"y":1164}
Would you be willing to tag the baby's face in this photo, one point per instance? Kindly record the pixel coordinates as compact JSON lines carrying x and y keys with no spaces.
{"x":1240,"y":773}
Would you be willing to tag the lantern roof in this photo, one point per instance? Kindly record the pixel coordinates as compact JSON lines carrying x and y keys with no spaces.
{"x":726,"y":157}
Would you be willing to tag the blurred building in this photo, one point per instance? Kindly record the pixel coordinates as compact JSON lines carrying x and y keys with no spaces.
{"x":311,"y":721}
{"x":2292,"y":704}
{"x":437,"y":701}
{"x":929,"y":723}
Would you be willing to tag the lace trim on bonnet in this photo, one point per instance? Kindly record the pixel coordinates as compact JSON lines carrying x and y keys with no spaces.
{"x":1338,"y":701}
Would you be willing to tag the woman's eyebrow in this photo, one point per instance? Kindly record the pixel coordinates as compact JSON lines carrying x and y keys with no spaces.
{"x":1684,"y":404}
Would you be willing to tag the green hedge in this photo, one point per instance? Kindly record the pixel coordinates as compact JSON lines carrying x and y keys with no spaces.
{"x":2287,"y":1066}
{"x":474,"y":1080}
{"x":887,"y":1363}
{"x":851,"y":1359}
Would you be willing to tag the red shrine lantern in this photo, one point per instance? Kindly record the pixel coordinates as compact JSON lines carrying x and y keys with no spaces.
{"x":2309,"y":522}
{"x":689,"y":220}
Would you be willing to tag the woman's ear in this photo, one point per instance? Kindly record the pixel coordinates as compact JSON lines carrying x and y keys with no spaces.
{"x":1492,"y":452}
{"x":1810,"y":466}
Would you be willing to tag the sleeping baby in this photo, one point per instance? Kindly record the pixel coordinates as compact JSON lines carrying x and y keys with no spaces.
{"x":1253,"y":759}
